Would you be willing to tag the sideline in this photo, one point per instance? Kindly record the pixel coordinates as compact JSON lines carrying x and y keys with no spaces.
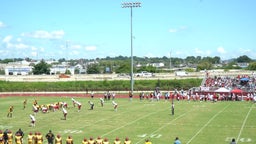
{"x":208,"y":123}
{"x":242,"y":127}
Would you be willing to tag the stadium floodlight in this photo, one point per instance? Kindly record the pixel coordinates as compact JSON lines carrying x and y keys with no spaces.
{"x":131,"y":5}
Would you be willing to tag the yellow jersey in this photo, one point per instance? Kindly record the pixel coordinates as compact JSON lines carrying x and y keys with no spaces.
{"x":18,"y":139}
{"x":30,"y":139}
{"x":127,"y":142}
{"x":58,"y":140}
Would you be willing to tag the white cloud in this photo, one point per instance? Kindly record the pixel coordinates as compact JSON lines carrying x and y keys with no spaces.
{"x":221,"y":50}
{"x":21,"y":46}
{"x":42,"y":49}
{"x":17,"y":46}
{"x":2,"y":24}
{"x":90,"y":48}
{"x":245,"y":51}
{"x":174,"y":30}
{"x":7,"y":39}
{"x":18,"y":39}
{"x":41,"y":34}
{"x":33,"y":48}
{"x":198,"y":51}
{"x":33,"y":53}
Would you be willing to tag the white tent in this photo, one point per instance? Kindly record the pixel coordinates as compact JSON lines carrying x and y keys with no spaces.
{"x":222,"y":89}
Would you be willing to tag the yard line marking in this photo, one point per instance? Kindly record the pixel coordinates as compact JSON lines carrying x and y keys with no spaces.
{"x":242,"y":127}
{"x":207,"y":123}
{"x":132,"y":122}
{"x":165,"y":125}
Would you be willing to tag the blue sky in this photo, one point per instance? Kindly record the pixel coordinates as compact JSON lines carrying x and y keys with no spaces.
{"x":98,"y":28}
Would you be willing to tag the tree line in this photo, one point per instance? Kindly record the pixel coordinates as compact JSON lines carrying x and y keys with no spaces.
{"x":122,"y":64}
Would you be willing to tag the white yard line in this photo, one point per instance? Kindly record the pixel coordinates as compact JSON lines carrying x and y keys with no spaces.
{"x":165,"y":125}
{"x":242,"y":127}
{"x":131,"y":122}
{"x":207,"y":123}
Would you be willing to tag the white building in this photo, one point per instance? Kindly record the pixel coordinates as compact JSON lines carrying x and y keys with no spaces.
{"x":18,"y":70}
{"x":60,"y":69}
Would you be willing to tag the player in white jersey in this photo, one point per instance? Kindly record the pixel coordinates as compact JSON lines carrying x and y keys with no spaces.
{"x":102,"y":102}
{"x":115,"y":105}
{"x":33,"y":120}
{"x":91,"y":105}
{"x":64,"y":113}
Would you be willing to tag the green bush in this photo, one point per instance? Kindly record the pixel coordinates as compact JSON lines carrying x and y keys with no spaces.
{"x":118,"y":85}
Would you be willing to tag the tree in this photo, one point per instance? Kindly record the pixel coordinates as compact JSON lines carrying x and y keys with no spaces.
{"x":125,"y":67}
{"x":204,"y":66}
{"x":243,"y":59}
{"x":41,"y":68}
{"x":147,"y":68}
{"x":252,"y":66}
{"x":93,"y":69}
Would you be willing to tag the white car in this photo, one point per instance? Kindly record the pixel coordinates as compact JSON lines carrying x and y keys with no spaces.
{"x":144,"y":74}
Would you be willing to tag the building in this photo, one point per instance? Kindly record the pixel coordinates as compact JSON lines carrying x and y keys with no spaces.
{"x":18,"y":70}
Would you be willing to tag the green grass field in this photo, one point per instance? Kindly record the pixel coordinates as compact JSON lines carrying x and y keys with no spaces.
{"x":193,"y":122}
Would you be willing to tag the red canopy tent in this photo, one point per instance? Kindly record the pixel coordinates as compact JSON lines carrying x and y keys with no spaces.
{"x":236,"y":90}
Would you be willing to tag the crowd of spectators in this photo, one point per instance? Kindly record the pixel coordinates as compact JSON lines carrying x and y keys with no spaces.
{"x":243,"y":82}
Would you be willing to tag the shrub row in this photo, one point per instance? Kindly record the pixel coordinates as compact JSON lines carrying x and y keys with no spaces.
{"x":117,"y":85}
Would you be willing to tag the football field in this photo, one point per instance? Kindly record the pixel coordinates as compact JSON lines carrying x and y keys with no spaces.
{"x":193,"y":122}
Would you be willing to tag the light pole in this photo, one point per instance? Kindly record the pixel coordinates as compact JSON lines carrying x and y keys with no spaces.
{"x":131,"y":5}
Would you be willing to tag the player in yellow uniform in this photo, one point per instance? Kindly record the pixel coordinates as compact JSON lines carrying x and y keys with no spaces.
{"x":147,"y":141}
{"x":1,"y":137}
{"x":105,"y":141}
{"x":84,"y":141}
{"x":10,"y":111}
{"x":127,"y":141}
{"x":117,"y":141}
{"x":18,"y":139}
{"x":10,"y":137}
{"x":30,"y":138}
{"x":58,"y":139}
{"x":91,"y":141}
{"x":99,"y":140}
{"x":69,"y":140}
{"x":35,"y":138}
{"x":39,"y":138}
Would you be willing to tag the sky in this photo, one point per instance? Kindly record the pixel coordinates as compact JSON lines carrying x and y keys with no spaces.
{"x":89,"y":29}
